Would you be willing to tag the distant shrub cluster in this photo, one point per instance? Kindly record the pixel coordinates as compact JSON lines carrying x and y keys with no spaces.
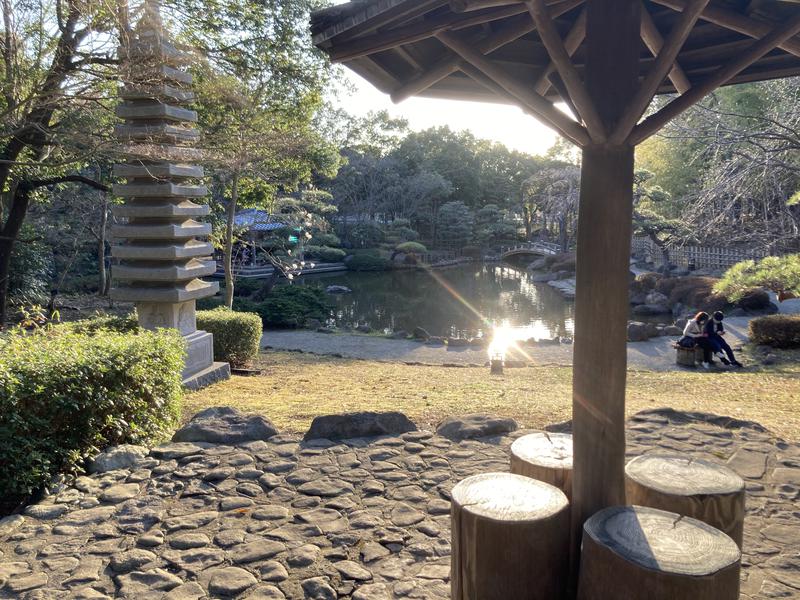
{"x":71,"y":390}
{"x":411,"y":248}
{"x":324,"y":254}
{"x":778,"y":331}
{"x":367,"y":262}
{"x":288,"y":306}
{"x":237,"y":335}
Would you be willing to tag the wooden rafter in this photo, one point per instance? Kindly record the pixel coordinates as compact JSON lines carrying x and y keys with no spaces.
{"x":449,"y":64}
{"x":385,"y":40}
{"x":662,"y":66}
{"x":572,"y":81}
{"x":539,"y":105}
{"x":734,"y":21}
{"x":652,"y":38}
{"x":572,"y":42}
{"x":756,"y":51}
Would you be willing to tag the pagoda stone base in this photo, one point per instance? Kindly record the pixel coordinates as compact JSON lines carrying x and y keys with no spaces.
{"x":218,"y":371}
{"x":178,"y":315}
{"x":199,"y":352}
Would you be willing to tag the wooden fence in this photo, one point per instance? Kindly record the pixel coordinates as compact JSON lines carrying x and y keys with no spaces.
{"x":695,"y":257}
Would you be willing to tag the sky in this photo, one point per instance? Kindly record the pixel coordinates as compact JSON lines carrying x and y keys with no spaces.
{"x":497,"y":122}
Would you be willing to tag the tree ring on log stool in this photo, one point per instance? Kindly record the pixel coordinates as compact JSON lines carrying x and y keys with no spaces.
{"x":641,"y":552}
{"x":546,"y":457}
{"x":510,"y":539}
{"x":695,"y":488}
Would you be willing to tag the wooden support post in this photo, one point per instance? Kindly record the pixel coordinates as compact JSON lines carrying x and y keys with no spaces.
{"x":510,"y":539}
{"x":636,"y":552}
{"x":603,"y":268}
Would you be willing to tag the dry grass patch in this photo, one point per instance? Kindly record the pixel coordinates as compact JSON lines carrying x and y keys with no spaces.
{"x":294,"y":388}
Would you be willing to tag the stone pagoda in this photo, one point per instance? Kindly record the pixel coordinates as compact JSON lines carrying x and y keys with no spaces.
{"x":160,"y":248}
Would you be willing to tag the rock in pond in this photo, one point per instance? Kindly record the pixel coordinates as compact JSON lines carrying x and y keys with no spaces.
{"x":475,"y":426}
{"x":420,"y":334}
{"x":360,"y":424}
{"x":225,"y":425}
{"x":338,"y":289}
{"x":638,"y":332}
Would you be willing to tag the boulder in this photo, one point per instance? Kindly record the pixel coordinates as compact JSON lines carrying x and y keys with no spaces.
{"x":543,"y":277}
{"x":364,"y":328}
{"x":638,"y":298}
{"x":338,"y":289}
{"x":420,"y":334}
{"x":637,"y":332}
{"x":737,"y":312}
{"x":475,"y":426}
{"x":538,"y":264}
{"x":656,"y":298}
{"x":651,"y":329}
{"x":325,"y":330}
{"x":401,"y":334}
{"x":565,"y":340}
{"x":681,"y":323}
{"x":360,"y":424}
{"x":672,"y":330}
{"x":457,"y":342}
{"x":225,"y":425}
{"x":118,"y":457}
{"x":435,"y":341}
{"x":644,"y":310}
{"x":313,"y":323}
{"x":479,"y":342}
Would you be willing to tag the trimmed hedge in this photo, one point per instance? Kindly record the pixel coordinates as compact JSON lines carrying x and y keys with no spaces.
{"x":100,"y":322}
{"x":64,"y":395}
{"x":411,"y":247}
{"x":367,"y":262}
{"x":324,"y":254}
{"x":778,"y":331}
{"x":237,"y":335}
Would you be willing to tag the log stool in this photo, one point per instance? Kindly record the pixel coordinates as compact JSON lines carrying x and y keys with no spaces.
{"x":510,"y":539}
{"x":642,"y":553}
{"x":546,"y":457}
{"x":699,"y":489}
{"x":688,"y":357}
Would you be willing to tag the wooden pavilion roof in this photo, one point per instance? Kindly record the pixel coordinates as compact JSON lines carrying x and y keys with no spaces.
{"x":397,"y":44}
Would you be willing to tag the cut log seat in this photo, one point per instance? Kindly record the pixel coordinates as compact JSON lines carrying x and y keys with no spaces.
{"x":696,"y":488}
{"x":510,"y":539}
{"x":546,"y":457}
{"x":642,"y":553}
{"x":688,"y":357}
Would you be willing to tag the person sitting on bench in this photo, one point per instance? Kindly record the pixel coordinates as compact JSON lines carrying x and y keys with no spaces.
{"x":694,"y":334}
{"x":714,"y":329}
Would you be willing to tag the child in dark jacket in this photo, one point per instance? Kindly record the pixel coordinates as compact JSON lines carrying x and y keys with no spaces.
{"x":714,"y":330}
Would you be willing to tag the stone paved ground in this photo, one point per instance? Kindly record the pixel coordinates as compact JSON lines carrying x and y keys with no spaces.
{"x":362,"y":519}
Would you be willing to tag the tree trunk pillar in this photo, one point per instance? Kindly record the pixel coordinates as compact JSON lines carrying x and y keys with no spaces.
{"x":603,"y":266}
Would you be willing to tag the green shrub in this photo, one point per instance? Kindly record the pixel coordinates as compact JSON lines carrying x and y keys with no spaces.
{"x":563,"y":262}
{"x":694,"y":292}
{"x":324,"y":254}
{"x":367,"y":262}
{"x":648,"y":281}
{"x":64,"y":395}
{"x":102,"y":322}
{"x":776,"y":273}
{"x":472,"y":252}
{"x":210,"y":303}
{"x":411,"y":248}
{"x":237,"y":335}
{"x":778,"y":331}
{"x":246,"y":287}
{"x":325,"y":239}
{"x":293,"y":305}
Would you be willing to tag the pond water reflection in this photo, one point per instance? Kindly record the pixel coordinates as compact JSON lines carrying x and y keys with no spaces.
{"x":467,"y":300}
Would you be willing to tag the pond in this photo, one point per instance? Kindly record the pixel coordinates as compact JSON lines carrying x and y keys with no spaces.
{"x":464,"y":301}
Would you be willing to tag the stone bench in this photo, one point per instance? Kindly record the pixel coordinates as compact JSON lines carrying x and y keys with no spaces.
{"x":510,"y":539}
{"x":642,"y":553}
{"x":695,"y":488}
{"x":546,"y":457}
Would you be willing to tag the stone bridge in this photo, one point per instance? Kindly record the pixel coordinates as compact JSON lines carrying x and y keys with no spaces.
{"x":530,"y":248}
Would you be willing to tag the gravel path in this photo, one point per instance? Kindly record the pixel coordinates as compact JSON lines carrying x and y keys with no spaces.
{"x":656,"y":354}
{"x":363,"y":519}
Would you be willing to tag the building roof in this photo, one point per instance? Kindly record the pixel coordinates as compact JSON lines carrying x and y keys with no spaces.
{"x":393,"y":43}
{"x":256,"y":220}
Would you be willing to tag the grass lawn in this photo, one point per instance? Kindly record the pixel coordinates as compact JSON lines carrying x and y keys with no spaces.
{"x":294,"y":388}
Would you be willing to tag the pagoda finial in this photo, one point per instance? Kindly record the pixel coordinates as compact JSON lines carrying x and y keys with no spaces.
{"x":150,"y":20}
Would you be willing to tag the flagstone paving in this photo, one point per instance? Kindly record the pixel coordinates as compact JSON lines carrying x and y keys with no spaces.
{"x":366,"y":519}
